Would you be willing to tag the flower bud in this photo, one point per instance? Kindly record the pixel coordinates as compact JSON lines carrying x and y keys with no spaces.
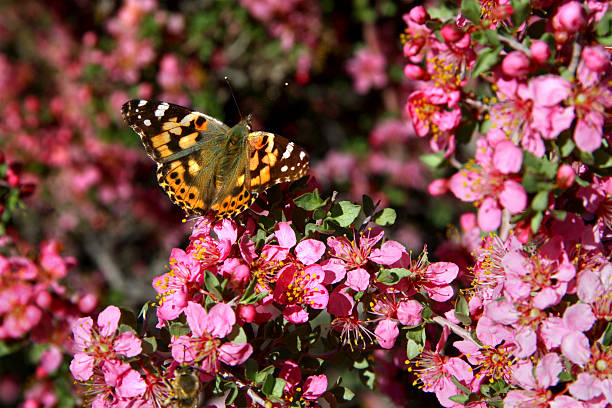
{"x":540,"y":52}
{"x":571,"y":16}
{"x":438,"y":187}
{"x":451,"y":33}
{"x":415,"y":72}
{"x":247,"y":313}
{"x":12,"y":177}
{"x":418,"y":15}
{"x":565,"y":176}
{"x":515,"y":64}
{"x":595,"y":58}
{"x":88,"y":303}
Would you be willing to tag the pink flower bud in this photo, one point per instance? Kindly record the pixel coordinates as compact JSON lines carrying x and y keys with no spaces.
{"x":415,"y":72}
{"x":540,"y":52}
{"x":565,"y":176}
{"x":451,"y":33}
{"x":595,"y":58}
{"x":515,"y":64}
{"x":88,"y":303}
{"x":571,"y":16}
{"x":418,"y":15}
{"x":247,"y":313}
{"x":43,"y":300}
{"x":468,"y":221}
{"x":438,"y":187}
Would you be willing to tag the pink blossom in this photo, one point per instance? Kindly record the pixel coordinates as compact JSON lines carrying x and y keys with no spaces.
{"x":94,"y":346}
{"x":367,"y":68}
{"x":540,"y":51}
{"x":300,"y":287}
{"x":570,"y":16}
{"x":204,"y":344}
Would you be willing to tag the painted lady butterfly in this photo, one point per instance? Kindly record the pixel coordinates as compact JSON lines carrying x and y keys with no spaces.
{"x":204,"y":165}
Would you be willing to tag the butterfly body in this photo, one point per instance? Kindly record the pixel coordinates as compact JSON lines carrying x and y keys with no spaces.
{"x":204,"y":165}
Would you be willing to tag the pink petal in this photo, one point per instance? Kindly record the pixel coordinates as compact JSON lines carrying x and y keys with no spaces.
{"x":128,"y":344}
{"x":489,"y":215}
{"x":82,"y":366}
{"x":358,"y":279}
{"x":575,"y":346}
{"x":513,"y":197}
{"x":586,"y":387}
{"x":389,"y":253}
{"x":196,"y":318}
{"x":548,"y":369}
{"x":309,"y":251}
{"x":340,"y":302}
{"x":409,"y":313}
{"x":295,"y":314}
{"x":507,"y":157}
{"x":108,"y":320}
{"x":314,"y":387}
{"x":81,"y":331}
{"x":588,"y":133}
{"x":285,"y":235}
{"x":579,"y":317}
{"x":386,"y":332}
{"x":235,"y":354}
{"x":549,"y":90}
{"x":221,"y":319}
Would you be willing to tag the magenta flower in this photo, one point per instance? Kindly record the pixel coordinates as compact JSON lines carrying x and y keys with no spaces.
{"x":178,"y":286}
{"x":434,"y":111}
{"x":204,"y":345}
{"x":391,"y":311}
{"x":95,"y":346}
{"x":298,"y":287}
{"x":489,"y":186}
{"x":367,"y":68}
{"x":314,"y":387}
{"x":535,"y":383}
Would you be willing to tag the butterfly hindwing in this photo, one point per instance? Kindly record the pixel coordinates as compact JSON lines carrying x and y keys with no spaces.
{"x":273,"y":159}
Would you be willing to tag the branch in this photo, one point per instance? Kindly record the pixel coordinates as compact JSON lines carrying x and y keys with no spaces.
{"x":458,"y":330}
{"x":515,"y":44}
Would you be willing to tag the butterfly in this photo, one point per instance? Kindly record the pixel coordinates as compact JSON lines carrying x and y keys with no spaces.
{"x":204,"y":165}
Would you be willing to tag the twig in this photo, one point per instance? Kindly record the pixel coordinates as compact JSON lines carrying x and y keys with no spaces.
{"x":515,"y":44}
{"x":576,"y":49}
{"x":458,"y":330}
{"x":504,"y":229}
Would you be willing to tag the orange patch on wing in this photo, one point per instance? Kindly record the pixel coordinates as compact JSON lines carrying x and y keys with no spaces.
{"x":187,"y":141}
{"x":254,"y":162}
{"x":161,"y":139}
{"x":264,"y":175}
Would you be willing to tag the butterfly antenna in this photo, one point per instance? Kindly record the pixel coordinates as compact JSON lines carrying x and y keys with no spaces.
{"x":233,"y":96}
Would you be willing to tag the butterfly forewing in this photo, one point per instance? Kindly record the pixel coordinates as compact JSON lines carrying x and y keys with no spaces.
{"x":274,"y":159}
{"x":168,"y":130}
{"x":197,"y":166}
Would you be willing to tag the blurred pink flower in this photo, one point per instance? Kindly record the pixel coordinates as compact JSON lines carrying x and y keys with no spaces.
{"x":367,"y":68}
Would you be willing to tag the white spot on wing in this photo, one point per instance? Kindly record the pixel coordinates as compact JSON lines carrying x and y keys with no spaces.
{"x":284,"y":169}
{"x":142,"y":102}
{"x":147,"y":122}
{"x":302,"y":155}
{"x":288,"y":151}
{"x":161,"y":109}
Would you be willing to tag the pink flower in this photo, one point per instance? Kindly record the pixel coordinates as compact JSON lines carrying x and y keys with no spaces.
{"x":540,"y":51}
{"x":178,"y":286}
{"x":535,"y":383}
{"x":296,"y":288}
{"x":94,"y":346}
{"x":367,"y":68}
{"x":434,"y":111}
{"x":204,"y":344}
{"x":489,"y":186}
{"x":570,"y":16}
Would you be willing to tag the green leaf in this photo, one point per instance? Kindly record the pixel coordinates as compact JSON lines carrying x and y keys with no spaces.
{"x":492,"y":37}
{"x":250,"y":369}
{"x":536,"y":221}
{"x":212,"y":284}
{"x":607,"y":336}
{"x":432,"y":160}
{"x":264,"y":374}
{"x":152,"y":341}
{"x":567,"y":147}
{"x":344,"y":213}
{"x":310,"y":201}
{"x":470,"y":9}
{"x":178,"y":329}
{"x":459,"y":385}
{"x":462,"y":311}
{"x":368,"y":205}
{"x":413,"y":349}
{"x":393,"y":275}
{"x":540,"y":201}
{"x":521,"y":10}
{"x":385,"y":217}
{"x":486,"y":60}
{"x":248,"y":292}
{"x":459,"y":399}
{"x":232,"y":393}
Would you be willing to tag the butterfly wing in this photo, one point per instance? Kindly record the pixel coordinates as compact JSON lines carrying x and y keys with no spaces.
{"x":273,"y":159}
{"x":187,"y":147}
